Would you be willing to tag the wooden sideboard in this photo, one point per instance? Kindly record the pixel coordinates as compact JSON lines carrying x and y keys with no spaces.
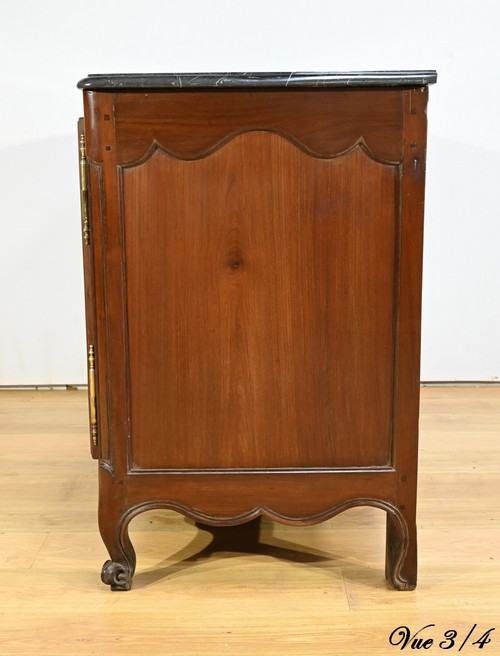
{"x":252,"y":254}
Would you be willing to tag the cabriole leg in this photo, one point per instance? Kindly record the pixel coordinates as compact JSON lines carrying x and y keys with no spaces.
{"x":119,"y":570}
{"x":401,"y":551}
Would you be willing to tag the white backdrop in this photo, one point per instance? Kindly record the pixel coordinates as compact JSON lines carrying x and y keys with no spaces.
{"x":45,"y":47}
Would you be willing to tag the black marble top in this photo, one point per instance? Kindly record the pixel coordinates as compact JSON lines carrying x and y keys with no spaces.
{"x":249,"y":80}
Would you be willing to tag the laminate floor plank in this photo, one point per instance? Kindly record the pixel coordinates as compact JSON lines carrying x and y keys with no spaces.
{"x":261,"y":588}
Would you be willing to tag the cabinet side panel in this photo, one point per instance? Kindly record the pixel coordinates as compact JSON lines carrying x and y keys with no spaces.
{"x":260,"y":300}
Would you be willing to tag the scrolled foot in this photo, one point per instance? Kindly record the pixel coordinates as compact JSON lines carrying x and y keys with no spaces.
{"x":399,"y":583}
{"x":117,"y":575}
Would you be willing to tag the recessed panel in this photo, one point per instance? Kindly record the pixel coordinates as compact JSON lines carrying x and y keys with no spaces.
{"x":260,"y":307}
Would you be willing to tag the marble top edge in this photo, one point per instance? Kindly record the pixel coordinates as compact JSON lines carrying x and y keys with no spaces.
{"x":235,"y":80}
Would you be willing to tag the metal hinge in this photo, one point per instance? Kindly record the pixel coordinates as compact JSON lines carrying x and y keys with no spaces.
{"x":92,"y":399}
{"x":84,"y":191}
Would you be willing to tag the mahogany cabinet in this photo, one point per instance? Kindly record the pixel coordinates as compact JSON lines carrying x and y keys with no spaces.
{"x":252,"y":257}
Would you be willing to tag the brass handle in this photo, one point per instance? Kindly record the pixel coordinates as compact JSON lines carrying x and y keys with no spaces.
{"x":84,"y":191}
{"x":92,"y":399}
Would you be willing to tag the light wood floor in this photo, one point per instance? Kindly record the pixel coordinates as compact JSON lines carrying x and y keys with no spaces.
{"x":283,"y":590}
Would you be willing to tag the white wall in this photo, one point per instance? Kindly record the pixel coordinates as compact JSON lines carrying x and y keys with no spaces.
{"x":45,"y":47}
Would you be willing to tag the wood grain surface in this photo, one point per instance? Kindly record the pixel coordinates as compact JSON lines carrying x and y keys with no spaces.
{"x":193,"y":123}
{"x":260,"y":293}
